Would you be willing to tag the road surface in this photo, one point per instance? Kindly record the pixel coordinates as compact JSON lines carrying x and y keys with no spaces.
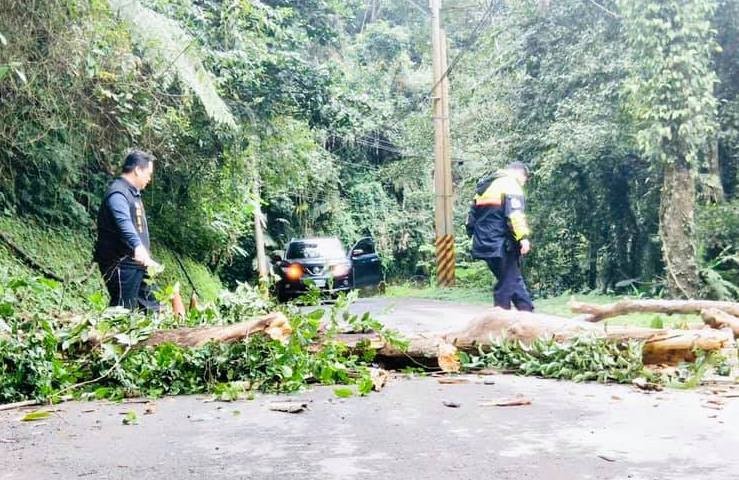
{"x":569,"y":431}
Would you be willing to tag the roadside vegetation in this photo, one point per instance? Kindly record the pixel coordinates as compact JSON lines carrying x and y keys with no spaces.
{"x":319,"y":112}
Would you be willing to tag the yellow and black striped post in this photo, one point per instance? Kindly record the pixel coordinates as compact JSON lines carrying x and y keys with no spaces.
{"x":443,"y":188}
{"x":445,"y":260}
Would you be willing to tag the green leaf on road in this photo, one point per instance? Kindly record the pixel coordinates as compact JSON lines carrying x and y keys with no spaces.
{"x":36,"y":415}
{"x":343,"y":392}
{"x":131,"y":418}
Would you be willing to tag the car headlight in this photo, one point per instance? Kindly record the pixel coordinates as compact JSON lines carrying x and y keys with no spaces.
{"x":293,"y":271}
{"x":340,"y":270}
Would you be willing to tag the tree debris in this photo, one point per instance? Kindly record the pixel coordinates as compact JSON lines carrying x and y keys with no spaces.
{"x":379,"y":378}
{"x":507,"y":402}
{"x":643,"y":384}
{"x":596,"y":313}
{"x":288,"y":407}
{"x":276,"y":325}
{"x":715,"y":318}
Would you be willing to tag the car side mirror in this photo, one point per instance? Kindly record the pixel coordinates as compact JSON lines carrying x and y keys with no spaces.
{"x":357,"y":252}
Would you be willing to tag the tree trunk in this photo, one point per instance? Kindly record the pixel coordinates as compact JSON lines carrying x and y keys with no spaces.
{"x":676,"y":225}
{"x":595,"y":313}
{"x":434,"y":349}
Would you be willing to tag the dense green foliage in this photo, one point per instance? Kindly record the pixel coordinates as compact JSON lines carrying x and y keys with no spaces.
{"x":581,"y":360}
{"x":98,"y":352}
{"x":330,"y":107}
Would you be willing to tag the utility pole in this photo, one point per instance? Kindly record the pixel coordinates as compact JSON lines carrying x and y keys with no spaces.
{"x":443,"y":210}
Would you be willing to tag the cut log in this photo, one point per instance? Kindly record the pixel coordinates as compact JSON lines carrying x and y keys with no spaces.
{"x":275,"y":325}
{"x":715,"y":318}
{"x":596,"y":313}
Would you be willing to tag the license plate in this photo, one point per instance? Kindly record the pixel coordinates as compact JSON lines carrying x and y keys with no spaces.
{"x":320,"y":283}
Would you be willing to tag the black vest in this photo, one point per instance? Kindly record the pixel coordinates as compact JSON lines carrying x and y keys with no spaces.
{"x":110,"y":247}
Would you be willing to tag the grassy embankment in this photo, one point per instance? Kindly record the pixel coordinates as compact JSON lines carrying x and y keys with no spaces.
{"x":68,"y":253}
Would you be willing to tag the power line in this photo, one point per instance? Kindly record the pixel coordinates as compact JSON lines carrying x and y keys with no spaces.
{"x":419,"y":7}
{"x":474,"y":37}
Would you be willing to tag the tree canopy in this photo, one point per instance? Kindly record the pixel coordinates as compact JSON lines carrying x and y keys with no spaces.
{"x":626,"y":112}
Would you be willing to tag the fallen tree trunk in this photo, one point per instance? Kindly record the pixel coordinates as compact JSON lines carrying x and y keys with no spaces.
{"x":275,"y":325}
{"x":596,"y":313}
{"x":660,"y":345}
{"x":719,"y":319}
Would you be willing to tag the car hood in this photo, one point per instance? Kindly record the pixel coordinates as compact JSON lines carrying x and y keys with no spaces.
{"x":319,"y":266}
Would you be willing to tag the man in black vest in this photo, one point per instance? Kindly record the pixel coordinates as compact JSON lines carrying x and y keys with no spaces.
{"x":122,"y":250}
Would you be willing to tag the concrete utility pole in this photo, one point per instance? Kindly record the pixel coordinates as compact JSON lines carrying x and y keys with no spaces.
{"x":444,"y":218}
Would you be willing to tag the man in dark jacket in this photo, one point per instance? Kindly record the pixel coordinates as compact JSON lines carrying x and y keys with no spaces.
{"x":123,"y":250}
{"x":500,"y":233}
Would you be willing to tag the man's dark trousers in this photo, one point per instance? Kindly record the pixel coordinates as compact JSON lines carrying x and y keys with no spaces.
{"x":127,"y":288}
{"x":510,"y":286}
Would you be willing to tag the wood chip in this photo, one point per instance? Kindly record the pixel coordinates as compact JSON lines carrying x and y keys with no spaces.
{"x":507,"y":402}
{"x":379,"y":378}
{"x":288,"y":407}
{"x":452,"y":380}
{"x":448,"y":358}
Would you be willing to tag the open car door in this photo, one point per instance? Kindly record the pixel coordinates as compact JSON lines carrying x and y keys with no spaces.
{"x":365,"y":264}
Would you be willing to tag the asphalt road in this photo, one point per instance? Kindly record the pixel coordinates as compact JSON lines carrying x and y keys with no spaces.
{"x":569,"y":431}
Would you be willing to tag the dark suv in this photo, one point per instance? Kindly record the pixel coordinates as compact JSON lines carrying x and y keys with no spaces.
{"x":324,"y":263}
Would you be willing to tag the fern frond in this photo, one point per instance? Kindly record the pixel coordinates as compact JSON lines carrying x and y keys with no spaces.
{"x":164,"y":42}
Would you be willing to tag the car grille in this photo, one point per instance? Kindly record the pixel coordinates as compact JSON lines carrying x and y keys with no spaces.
{"x":315,"y":269}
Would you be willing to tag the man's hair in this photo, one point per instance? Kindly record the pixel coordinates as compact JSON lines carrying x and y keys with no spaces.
{"x":520,"y":166}
{"x":136,"y":158}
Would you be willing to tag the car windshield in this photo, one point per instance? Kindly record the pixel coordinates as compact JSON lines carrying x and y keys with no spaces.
{"x":330,"y":248}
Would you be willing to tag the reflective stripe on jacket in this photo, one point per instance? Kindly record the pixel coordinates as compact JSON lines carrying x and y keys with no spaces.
{"x":498,"y":217}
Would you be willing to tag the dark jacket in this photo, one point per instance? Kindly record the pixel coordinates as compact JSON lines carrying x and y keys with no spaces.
{"x":112,"y":248}
{"x":496,"y":220}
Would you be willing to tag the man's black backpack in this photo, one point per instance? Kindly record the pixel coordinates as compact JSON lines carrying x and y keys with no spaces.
{"x":472,"y":219}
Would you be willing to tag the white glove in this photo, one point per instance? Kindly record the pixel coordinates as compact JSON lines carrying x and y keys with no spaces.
{"x":525,"y":246}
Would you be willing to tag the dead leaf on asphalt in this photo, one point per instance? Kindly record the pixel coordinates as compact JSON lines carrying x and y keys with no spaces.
{"x":615,"y":397}
{"x":507,"y":402}
{"x":450,"y":404}
{"x":647,"y":386}
{"x":288,"y":407}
